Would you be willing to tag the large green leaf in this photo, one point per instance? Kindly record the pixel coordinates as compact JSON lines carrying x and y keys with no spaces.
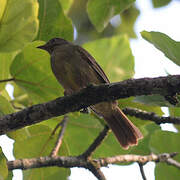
{"x":80,"y":133}
{"x":5,"y":61}
{"x":33,"y":142}
{"x":32,"y":71}
{"x":18,"y":23}
{"x":114,"y":55}
{"x":165,"y":141}
{"x":164,"y":43}
{"x":100,"y":12}
{"x":3,"y":166}
{"x":53,"y":22}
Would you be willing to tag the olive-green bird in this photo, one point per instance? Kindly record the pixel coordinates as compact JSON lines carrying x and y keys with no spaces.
{"x":75,"y":69}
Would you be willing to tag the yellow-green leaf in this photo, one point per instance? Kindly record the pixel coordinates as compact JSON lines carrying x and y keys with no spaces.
{"x":18,"y":23}
{"x":32,"y":71}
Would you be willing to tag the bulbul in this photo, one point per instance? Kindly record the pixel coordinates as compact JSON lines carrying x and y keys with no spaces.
{"x":75,"y":69}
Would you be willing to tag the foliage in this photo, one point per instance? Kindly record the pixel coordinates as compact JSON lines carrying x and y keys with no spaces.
{"x":24,"y":25}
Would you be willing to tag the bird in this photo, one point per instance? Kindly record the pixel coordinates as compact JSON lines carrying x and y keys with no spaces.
{"x":75,"y":69}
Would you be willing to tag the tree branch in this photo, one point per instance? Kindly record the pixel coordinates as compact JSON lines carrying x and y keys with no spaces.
{"x":91,"y":95}
{"x":77,"y":161}
{"x":63,"y":123}
{"x":96,"y":171}
{"x":144,"y":115}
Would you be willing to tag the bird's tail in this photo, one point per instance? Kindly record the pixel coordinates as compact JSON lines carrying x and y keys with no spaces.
{"x":125,"y":131}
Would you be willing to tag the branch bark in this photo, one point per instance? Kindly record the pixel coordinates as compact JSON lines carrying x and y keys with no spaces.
{"x":77,"y":161}
{"x":63,"y":125}
{"x":165,"y":86}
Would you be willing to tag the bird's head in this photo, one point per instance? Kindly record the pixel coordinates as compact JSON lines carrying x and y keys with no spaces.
{"x":49,"y":46}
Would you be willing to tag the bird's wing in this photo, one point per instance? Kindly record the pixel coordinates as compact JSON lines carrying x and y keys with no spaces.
{"x":92,"y":62}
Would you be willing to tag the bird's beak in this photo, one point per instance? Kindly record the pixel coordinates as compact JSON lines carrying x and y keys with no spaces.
{"x":42,"y":47}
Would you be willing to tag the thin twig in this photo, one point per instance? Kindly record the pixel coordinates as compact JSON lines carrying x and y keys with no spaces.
{"x":7,"y":80}
{"x":96,"y":171}
{"x":142,"y":171}
{"x":172,"y":162}
{"x":166,"y":157}
{"x":63,"y":123}
{"x":144,"y":115}
{"x":96,"y":143}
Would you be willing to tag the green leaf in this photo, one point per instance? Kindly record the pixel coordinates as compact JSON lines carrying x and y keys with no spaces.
{"x":66,"y":5}
{"x":153,"y":100}
{"x":114,"y":55}
{"x":21,"y":97}
{"x":166,"y":172}
{"x":128,"y":19}
{"x":5,"y":106}
{"x":53,"y":22}
{"x":164,"y":43}
{"x":81,"y":130}
{"x":18,"y":23}
{"x":160,"y":3}
{"x":164,"y":141}
{"x":3,"y":166}
{"x":100,"y":12}
{"x":10,"y":176}
{"x":34,"y":142}
{"x":5,"y":61}
{"x":32,"y":71}
{"x":175,"y":112}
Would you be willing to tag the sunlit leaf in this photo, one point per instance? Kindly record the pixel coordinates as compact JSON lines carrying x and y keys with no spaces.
{"x":32,"y":71}
{"x":5,"y":106}
{"x":3,"y":166}
{"x":5,"y":62}
{"x":128,"y":19}
{"x":66,"y":4}
{"x":19,"y":23}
